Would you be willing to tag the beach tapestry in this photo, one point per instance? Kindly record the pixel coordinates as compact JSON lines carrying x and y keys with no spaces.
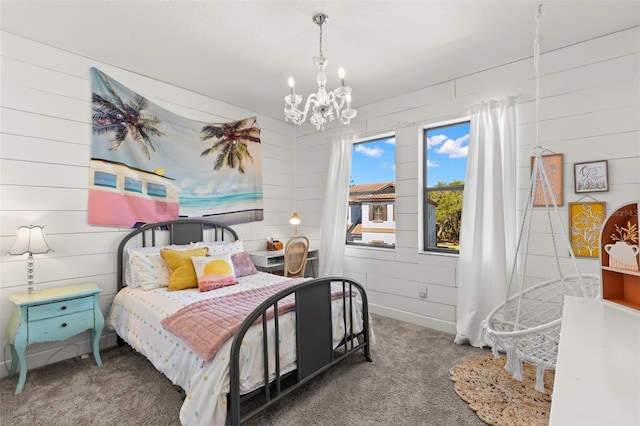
{"x":151,"y":165}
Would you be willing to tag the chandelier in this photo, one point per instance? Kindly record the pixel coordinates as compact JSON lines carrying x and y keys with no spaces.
{"x":322,"y":106}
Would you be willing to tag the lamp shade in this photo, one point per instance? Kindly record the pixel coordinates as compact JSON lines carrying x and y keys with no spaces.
{"x":294,"y":219}
{"x":30,"y":239}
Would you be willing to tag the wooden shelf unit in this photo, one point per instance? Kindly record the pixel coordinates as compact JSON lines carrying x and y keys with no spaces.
{"x":620,"y":286}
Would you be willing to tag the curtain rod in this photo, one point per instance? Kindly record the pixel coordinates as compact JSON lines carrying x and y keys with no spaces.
{"x":519,"y":98}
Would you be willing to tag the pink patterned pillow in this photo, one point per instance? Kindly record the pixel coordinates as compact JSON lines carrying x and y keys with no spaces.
{"x":242,"y":264}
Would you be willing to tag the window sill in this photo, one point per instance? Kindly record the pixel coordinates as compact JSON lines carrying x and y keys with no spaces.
{"x":438,"y":253}
{"x":370,"y":246}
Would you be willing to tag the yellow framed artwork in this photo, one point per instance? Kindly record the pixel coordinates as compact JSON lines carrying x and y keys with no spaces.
{"x":585,"y":221}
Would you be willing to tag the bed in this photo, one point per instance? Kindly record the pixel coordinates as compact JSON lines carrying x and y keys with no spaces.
{"x":319,"y":322}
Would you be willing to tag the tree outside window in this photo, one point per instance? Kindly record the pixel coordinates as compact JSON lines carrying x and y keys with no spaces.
{"x":445,"y":164}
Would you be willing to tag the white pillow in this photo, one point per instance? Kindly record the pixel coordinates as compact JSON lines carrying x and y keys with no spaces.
{"x":221,"y":247}
{"x":145,"y":268}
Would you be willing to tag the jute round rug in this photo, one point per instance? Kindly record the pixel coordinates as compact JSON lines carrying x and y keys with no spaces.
{"x":499,"y":399}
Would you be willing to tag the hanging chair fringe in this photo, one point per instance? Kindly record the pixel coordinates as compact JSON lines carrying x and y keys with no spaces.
{"x":517,"y":374}
{"x":509,"y":366}
{"x":494,"y":348}
{"x":540,"y":378}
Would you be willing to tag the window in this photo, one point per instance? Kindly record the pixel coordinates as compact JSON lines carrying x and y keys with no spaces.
{"x":108,"y":180}
{"x":156,"y":190}
{"x":378,"y":213}
{"x":444,"y":167}
{"x":371,"y":219}
{"x":132,"y":185}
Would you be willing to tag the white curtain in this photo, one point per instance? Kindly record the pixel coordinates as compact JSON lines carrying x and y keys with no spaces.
{"x":488,"y":228}
{"x":333,"y":225}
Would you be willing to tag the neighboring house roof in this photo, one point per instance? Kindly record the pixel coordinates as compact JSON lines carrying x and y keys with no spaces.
{"x":372,"y":187}
{"x":384,"y":191}
{"x":357,"y":231}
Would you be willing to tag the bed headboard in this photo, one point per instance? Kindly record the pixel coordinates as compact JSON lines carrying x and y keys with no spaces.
{"x":179,"y":231}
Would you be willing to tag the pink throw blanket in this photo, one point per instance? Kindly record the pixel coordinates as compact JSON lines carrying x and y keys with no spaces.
{"x":207,"y":324}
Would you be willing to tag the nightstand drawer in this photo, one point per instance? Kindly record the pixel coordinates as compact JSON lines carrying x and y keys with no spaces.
{"x":50,"y":310}
{"x":61,"y":327}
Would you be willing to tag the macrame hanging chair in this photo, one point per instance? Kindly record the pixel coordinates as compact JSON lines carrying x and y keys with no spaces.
{"x":527,"y":325}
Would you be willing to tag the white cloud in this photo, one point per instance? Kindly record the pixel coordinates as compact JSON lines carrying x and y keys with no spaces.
{"x":454,"y":148}
{"x":435,"y":140}
{"x":369,"y":152}
{"x":388,"y":166}
{"x":391,"y":141}
{"x":432,"y":164}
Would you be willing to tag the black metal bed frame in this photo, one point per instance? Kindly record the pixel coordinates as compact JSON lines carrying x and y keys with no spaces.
{"x":315,"y":352}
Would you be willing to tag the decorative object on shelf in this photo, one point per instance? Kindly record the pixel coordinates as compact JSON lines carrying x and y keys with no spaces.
{"x":552,"y":164}
{"x":295,"y":221}
{"x":585,"y":222}
{"x":622,"y":254}
{"x":30,"y":239}
{"x":274,"y":245}
{"x":591,"y":176}
{"x":323,"y":105}
{"x":619,"y":256}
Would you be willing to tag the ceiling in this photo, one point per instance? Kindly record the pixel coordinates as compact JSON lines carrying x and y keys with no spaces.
{"x":242,"y":52}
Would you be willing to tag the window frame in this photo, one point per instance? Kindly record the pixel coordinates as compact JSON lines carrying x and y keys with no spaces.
{"x":425,"y":190}
{"x":385,"y":205}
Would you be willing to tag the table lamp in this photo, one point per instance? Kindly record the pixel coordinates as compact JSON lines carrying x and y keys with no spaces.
{"x":295,"y":220}
{"x":30,"y":239}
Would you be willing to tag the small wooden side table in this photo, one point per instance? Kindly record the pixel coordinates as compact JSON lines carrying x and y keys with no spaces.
{"x":49,"y":315}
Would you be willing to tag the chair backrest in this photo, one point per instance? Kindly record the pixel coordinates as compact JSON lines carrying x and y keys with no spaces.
{"x":295,"y":256}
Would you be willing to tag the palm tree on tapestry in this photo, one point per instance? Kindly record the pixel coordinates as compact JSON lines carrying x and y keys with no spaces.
{"x":231,"y":139}
{"x":111,"y":114}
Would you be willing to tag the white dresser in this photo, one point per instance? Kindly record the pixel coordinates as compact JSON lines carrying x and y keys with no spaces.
{"x":597,"y":379}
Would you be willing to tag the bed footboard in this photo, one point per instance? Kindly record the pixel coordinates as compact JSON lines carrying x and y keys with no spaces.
{"x":315,"y":350}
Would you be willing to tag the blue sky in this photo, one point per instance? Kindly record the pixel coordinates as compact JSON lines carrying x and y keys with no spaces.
{"x":446,"y":157}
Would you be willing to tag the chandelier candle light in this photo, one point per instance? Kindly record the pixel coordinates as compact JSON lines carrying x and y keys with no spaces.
{"x":323,"y":105}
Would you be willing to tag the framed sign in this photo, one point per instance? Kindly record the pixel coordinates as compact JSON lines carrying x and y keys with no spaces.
{"x":591,"y":177}
{"x":585,"y":221}
{"x":552,"y":164}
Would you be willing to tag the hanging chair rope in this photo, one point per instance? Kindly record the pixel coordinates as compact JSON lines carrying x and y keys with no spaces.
{"x":527,"y":325}
{"x":536,"y":67}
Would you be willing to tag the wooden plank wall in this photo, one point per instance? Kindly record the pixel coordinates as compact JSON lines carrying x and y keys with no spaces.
{"x":44,"y":173}
{"x":589,"y":110}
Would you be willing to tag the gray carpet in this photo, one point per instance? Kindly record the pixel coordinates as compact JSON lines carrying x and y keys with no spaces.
{"x":406,"y":384}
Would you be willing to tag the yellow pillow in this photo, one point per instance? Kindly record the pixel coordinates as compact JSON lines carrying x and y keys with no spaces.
{"x":181,"y":272}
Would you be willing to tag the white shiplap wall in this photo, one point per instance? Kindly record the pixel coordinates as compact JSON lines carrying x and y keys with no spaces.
{"x":45,"y":147}
{"x":589,"y":110}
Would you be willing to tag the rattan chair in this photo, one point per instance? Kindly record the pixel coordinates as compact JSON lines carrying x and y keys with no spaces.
{"x":295,"y":256}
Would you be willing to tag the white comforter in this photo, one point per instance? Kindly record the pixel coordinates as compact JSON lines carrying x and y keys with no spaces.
{"x":136,"y":314}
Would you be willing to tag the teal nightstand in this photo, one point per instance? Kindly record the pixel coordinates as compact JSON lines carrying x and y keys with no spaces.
{"x":52,"y":314}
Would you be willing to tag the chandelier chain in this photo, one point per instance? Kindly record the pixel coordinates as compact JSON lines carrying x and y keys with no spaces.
{"x":321,"y":54}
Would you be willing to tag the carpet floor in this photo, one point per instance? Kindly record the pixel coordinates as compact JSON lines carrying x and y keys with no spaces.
{"x":408,"y":383}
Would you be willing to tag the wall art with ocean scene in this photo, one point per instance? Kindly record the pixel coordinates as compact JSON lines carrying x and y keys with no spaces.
{"x":151,"y":165}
